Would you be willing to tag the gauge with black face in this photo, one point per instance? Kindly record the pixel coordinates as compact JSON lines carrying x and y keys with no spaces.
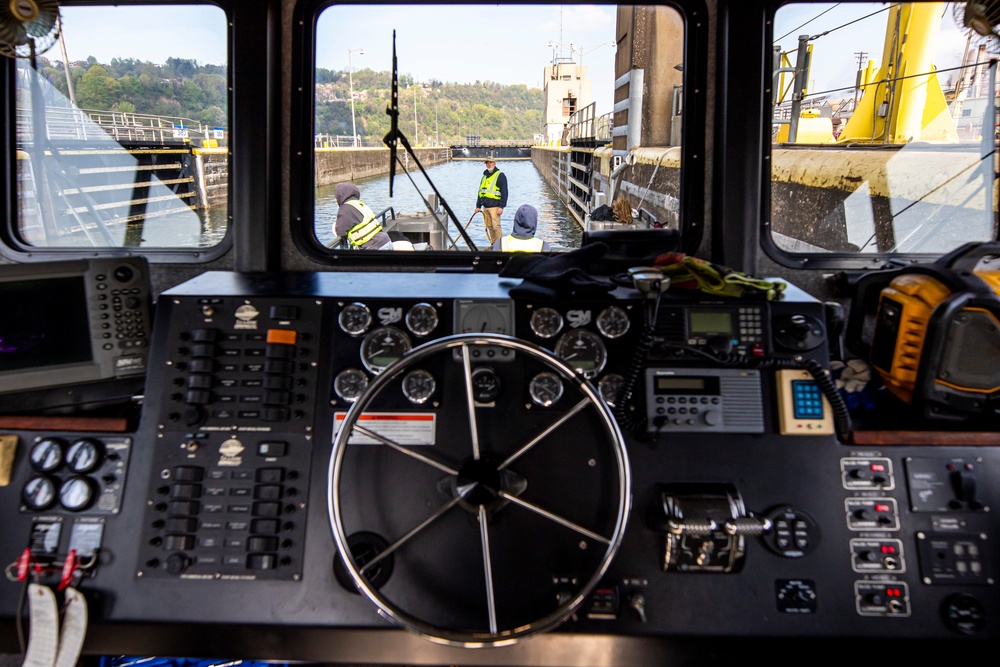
{"x":418,"y":386}
{"x":47,"y":454}
{"x":545,"y":388}
{"x":350,"y":383}
{"x":355,"y":318}
{"x":485,"y":385}
{"x":422,"y":319}
{"x":610,"y":386}
{"x":39,"y":493}
{"x":383,"y":346}
{"x":83,"y":455}
{"x":613,"y":322}
{"x":76,"y":493}
{"x":583,"y":351}
{"x":546,"y":322}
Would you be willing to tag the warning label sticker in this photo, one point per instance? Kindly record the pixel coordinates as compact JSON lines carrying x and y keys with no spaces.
{"x":402,"y":428}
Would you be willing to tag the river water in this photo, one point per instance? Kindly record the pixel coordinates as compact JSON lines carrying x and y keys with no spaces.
{"x":458,"y":183}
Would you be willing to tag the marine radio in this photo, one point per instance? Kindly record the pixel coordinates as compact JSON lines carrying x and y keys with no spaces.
{"x":932,"y":332}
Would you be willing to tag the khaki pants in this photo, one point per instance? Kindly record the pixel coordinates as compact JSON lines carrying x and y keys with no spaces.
{"x":491,"y":217}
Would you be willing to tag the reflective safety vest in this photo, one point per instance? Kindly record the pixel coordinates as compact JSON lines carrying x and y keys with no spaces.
{"x":488,"y":187}
{"x":364,"y":231}
{"x":510,"y":243}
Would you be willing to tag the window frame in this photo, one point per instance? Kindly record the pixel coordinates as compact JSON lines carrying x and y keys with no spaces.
{"x":302,"y":168}
{"x":827,"y":261}
{"x":12,"y":248}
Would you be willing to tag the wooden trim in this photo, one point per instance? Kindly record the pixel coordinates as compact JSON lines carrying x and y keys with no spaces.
{"x":939,"y":438}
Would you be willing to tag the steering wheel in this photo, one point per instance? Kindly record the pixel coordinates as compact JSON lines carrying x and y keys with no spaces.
{"x":489,"y":511}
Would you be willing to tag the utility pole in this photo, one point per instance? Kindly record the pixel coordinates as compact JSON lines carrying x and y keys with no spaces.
{"x":857,"y":83}
{"x":350,"y":78}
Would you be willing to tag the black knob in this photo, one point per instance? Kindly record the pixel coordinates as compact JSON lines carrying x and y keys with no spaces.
{"x":177,"y":563}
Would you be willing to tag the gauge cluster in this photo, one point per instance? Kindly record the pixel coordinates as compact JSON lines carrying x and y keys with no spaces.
{"x":372,"y":334}
{"x":594,"y":339}
{"x":76,"y":474}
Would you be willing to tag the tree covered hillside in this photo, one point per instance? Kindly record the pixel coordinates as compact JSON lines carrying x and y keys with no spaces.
{"x":445,"y":111}
{"x":180,"y":87}
{"x":186,"y":89}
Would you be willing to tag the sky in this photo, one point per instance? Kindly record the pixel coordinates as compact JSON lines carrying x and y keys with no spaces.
{"x":508,"y":44}
{"x":834,"y":59}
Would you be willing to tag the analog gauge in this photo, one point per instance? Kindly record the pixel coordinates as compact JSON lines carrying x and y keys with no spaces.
{"x":418,"y":386}
{"x":545,"y":388}
{"x":484,"y":317}
{"x":39,"y":493}
{"x":83,"y":455}
{"x":383,"y":346}
{"x":76,"y":493}
{"x":485,"y":385}
{"x":582,"y":351}
{"x":422,"y":319}
{"x":610,"y":386}
{"x":350,"y":384}
{"x":47,"y":455}
{"x":546,"y":322}
{"x":613,"y":322}
{"x":355,"y":319}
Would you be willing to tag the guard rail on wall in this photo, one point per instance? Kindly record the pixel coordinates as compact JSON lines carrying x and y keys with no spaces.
{"x":64,"y":123}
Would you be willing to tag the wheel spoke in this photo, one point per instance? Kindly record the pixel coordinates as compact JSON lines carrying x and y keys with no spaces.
{"x":471,"y":401}
{"x":555,"y":517}
{"x":541,"y":436}
{"x":413,"y":533}
{"x":484,"y":535}
{"x":423,"y":458}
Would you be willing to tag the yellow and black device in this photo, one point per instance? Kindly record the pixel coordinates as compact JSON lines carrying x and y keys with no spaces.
{"x":932,"y":332}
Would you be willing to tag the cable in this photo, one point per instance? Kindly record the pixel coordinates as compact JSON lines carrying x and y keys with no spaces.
{"x":841,"y":416}
{"x":807,"y":22}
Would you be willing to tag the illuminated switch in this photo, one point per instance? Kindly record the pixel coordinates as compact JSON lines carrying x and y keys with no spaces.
{"x":272,"y":449}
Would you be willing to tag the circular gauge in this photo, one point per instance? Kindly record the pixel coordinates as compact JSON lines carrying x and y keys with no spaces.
{"x":383,"y":346}
{"x":422,"y":319}
{"x":350,"y":383}
{"x":76,"y":493}
{"x":355,"y":318}
{"x":613,"y":322}
{"x":418,"y":386}
{"x":545,"y":388}
{"x":47,"y":454}
{"x":610,"y":386}
{"x":39,"y":493}
{"x":546,"y":322}
{"x":582,"y":351}
{"x":484,"y":317}
{"x":485,"y":385}
{"x":83,"y":455}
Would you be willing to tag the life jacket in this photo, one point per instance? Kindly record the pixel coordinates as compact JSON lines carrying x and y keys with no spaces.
{"x":488,"y":187}
{"x":511,"y":243}
{"x":364,"y":231}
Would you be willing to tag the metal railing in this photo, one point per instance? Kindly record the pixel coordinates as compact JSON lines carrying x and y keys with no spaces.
{"x":64,"y":123}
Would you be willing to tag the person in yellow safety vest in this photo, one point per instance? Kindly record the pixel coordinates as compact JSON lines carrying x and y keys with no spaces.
{"x":523,"y":238}
{"x":357,"y":222}
{"x":492,"y":199}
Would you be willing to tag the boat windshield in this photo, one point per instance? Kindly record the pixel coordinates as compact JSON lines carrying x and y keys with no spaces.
{"x":122,"y":129}
{"x":884,"y":130}
{"x":541,"y":94}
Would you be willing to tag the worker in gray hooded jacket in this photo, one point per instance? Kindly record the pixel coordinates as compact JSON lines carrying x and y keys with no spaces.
{"x":357,"y":222}
{"x":522,"y":238}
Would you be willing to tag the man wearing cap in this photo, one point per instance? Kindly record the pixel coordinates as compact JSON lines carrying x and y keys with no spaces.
{"x":492,"y":199}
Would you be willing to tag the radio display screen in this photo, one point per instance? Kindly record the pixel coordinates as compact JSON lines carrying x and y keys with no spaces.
{"x":687,"y":385}
{"x":44,"y":324}
{"x":710,"y":322}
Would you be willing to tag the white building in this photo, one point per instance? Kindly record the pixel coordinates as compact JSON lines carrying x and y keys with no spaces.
{"x":567,"y":89}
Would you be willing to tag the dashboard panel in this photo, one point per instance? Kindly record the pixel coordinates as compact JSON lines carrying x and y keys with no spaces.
{"x":613,"y":471}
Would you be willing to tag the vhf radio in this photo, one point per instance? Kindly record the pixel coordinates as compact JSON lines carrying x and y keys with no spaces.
{"x":705,"y":359}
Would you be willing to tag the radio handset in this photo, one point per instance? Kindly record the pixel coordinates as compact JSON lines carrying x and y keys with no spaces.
{"x":650,"y":281}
